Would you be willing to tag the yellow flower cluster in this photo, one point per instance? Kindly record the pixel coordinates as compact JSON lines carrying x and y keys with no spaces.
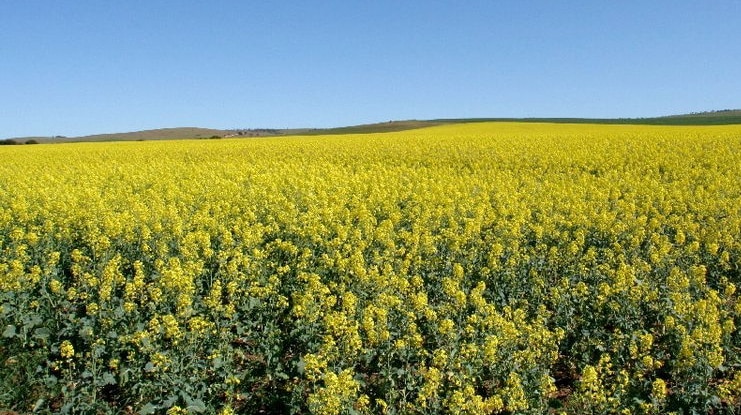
{"x":338,"y":391}
{"x":66,"y":350}
{"x":473,"y":268}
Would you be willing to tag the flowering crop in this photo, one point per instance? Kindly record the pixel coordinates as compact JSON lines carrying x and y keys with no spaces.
{"x":465,"y":269}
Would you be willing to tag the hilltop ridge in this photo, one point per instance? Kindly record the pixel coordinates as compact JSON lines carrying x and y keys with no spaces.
{"x":718,"y":117}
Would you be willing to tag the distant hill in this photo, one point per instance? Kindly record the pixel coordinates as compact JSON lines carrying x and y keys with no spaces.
{"x":722,"y":117}
{"x":157,"y":134}
{"x":704,"y":118}
{"x":381,"y":127}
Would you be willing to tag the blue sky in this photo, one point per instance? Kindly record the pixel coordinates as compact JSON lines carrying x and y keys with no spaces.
{"x":76,"y":67}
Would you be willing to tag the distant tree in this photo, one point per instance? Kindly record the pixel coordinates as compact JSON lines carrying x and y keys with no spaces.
{"x":7,"y":142}
{"x":31,"y":142}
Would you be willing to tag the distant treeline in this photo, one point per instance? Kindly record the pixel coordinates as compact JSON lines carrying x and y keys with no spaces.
{"x":11,"y":142}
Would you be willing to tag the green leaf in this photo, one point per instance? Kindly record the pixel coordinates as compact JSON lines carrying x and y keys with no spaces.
{"x":42,"y":333}
{"x":148,"y":409}
{"x":32,"y":320}
{"x":196,"y":405}
{"x":109,"y":379}
{"x":9,"y":331}
{"x":281,"y":375}
{"x":170,"y":401}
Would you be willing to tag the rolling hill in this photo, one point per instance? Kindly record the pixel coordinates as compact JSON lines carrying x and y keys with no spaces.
{"x":721,"y":117}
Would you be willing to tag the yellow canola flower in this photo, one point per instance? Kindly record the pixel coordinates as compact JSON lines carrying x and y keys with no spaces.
{"x":658,"y":389}
{"x":339,"y":392}
{"x":461,"y":248}
{"x":177,"y":410}
{"x":66,"y":350}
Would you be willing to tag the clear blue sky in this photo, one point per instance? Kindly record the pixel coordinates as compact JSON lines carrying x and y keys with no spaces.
{"x":75,"y":67}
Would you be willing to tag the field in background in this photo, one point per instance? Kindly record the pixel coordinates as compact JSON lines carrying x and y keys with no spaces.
{"x":463,"y":268}
{"x":723,"y":117}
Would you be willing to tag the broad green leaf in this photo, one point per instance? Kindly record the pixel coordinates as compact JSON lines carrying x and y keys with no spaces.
{"x":9,"y":331}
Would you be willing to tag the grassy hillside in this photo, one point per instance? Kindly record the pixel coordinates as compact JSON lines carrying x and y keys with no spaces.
{"x":723,"y":117}
{"x":703,"y":118}
{"x":157,"y":134}
{"x":381,"y":127}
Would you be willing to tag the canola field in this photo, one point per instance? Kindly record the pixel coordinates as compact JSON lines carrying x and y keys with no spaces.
{"x":489,"y":268}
